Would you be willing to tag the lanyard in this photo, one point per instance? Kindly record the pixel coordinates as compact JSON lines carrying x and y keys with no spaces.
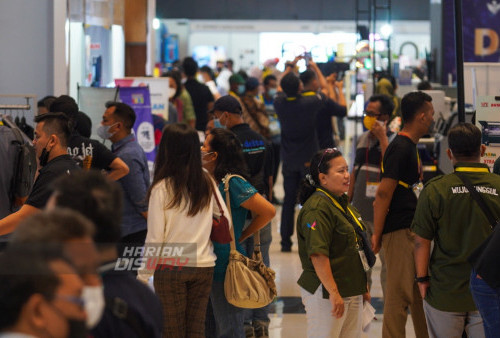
{"x":472,"y":169}
{"x":337,"y":204}
{"x":419,"y":164}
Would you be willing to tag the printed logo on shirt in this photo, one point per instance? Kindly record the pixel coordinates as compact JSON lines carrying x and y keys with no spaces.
{"x":482,"y":190}
{"x":313,"y":226}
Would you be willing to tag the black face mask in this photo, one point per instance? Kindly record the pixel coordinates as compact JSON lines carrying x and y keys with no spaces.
{"x":44,"y":157}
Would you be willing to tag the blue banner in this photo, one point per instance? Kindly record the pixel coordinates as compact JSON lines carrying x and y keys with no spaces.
{"x":138,"y":98}
{"x":481,"y":31}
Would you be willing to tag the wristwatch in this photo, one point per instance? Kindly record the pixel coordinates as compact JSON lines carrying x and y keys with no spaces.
{"x":422,"y":279}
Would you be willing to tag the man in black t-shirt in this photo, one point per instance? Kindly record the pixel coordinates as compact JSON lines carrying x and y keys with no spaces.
{"x":86,"y":152}
{"x":202,"y":97}
{"x":51,"y":135}
{"x":299,"y":142}
{"x":394,"y":207}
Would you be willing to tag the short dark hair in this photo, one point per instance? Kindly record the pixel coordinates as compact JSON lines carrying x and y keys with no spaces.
{"x":83,"y":124}
{"x":209,"y":71}
{"x":54,"y":226}
{"x":65,"y":104}
{"x":124,"y":113}
{"x":268,"y":79}
{"x":290,"y":84}
{"x":97,"y":198}
{"x":307,"y":77}
{"x":464,"y":140}
{"x":424,"y":85}
{"x":56,"y":123}
{"x":25,"y":271}
{"x":386,"y":103}
{"x":412,"y":103}
{"x":190,"y":66}
{"x":46,"y":101}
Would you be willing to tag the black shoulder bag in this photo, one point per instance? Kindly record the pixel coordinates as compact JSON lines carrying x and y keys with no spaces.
{"x":485,"y":258}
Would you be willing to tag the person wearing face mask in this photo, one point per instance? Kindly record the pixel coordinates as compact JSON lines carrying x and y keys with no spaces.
{"x":41,"y":294}
{"x":270,"y":83}
{"x":73,"y":233}
{"x":182,"y":203}
{"x":329,"y":233}
{"x":203,"y":100}
{"x":181,"y":99}
{"x":88,"y":153}
{"x":120,"y":118}
{"x":100,"y":200}
{"x":51,"y":137}
{"x":365,"y":176}
{"x":236,"y":85}
{"x":258,"y":157}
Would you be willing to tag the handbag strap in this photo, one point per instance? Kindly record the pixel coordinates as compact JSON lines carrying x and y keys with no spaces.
{"x":256,"y":235}
{"x":218,"y":203}
{"x":477,"y":197}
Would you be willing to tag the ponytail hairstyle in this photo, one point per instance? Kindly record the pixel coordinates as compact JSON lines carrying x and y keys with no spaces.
{"x":320,"y":163}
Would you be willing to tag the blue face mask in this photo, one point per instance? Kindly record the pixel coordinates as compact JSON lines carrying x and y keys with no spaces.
{"x":241,"y":89}
{"x":272,"y":91}
{"x":217,"y":124}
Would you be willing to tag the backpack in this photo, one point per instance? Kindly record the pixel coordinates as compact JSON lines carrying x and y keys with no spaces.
{"x":24,"y":166}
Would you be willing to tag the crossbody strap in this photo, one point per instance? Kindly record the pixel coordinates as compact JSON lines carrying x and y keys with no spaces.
{"x":477,"y":197}
{"x":256,"y":235}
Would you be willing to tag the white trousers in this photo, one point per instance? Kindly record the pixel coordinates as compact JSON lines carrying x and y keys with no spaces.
{"x":321,"y":323}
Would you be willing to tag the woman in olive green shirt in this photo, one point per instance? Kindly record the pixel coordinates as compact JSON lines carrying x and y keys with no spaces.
{"x":333,"y":283}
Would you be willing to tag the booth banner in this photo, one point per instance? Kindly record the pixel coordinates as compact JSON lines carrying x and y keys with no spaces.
{"x":158,"y":88}
{"x":138,"y":98}
{"x":481,"y":30}
{"x":488,"y":120}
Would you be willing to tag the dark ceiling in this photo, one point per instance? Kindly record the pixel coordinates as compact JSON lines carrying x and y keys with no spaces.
{"x":285,"y":9}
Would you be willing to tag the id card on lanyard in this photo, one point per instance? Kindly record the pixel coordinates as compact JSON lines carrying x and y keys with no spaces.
{"x":418,"y":186}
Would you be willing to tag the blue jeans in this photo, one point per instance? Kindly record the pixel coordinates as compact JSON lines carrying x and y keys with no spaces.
{"x":265,"y":243}
{"x":488,"y":303}
{"x":223,"y":319}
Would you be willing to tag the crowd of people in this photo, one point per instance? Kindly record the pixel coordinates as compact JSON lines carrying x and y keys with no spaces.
{"x":79,"y":251}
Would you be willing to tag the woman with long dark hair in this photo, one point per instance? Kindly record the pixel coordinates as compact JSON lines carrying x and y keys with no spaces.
{"x":222,"y":155}
{"x":181,"y":99}
{"x":333,"y":283}
{"x":181,"y":207}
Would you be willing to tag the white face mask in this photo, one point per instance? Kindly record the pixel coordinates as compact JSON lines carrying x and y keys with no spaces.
{"x":171,"y":92}
{"x":94,"y":304}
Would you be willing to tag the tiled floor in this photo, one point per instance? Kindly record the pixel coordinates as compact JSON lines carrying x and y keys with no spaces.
{"x":288,"y":269}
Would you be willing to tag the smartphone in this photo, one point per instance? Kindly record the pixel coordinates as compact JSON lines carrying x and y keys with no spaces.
{"x":340,"y":76}
{"x":307,"y":57}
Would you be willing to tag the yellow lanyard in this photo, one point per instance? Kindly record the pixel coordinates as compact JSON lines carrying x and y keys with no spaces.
{"x":472,"y":169}
{"x":337,"y":204}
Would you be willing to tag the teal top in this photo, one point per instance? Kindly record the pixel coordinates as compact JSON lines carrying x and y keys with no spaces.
{"x":239,"y":192}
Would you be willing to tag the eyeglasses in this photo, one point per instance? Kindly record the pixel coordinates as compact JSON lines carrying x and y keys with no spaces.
{"x":78,"y":301}
{"x":371,"y":114}
{"x":327,"y":151}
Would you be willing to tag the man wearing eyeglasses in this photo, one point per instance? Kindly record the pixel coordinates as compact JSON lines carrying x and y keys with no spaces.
{"x":41,"y":294}
{"x":365,"y":176}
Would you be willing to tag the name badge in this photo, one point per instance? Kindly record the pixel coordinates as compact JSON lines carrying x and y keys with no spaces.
{"x":371,"y":189}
